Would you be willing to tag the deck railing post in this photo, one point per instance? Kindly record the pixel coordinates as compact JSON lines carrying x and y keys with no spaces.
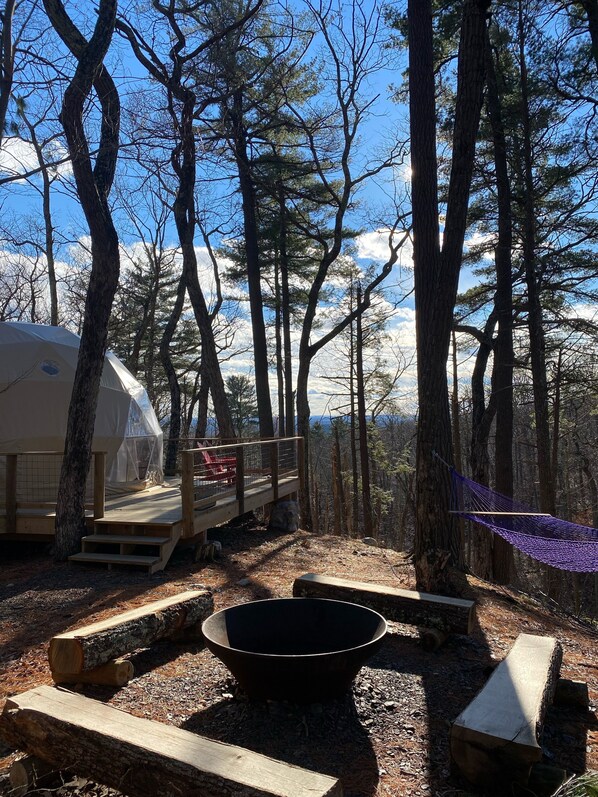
{"x":240,"y":478}
{"x":301,"y":463}
{"x":274,"y":465}
{"x":11,"y":493}
{"x":99,"y":484}
{"x":187,"y":490}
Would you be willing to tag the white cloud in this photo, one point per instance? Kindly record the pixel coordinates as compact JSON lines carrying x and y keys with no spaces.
{"x":17,"y":156}
{"x":373,"y":245}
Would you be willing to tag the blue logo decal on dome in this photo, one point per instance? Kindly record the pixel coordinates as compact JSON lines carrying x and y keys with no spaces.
{"x":50,"y":367}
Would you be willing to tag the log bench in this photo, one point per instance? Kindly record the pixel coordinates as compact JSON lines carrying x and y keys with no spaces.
{"x":144,"y":758}
{"x":91,"y":654}
{"x":496,"y":738}
{"x":437,"y":615}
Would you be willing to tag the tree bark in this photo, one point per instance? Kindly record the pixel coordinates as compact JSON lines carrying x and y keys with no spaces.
{"x":183,"y":160}
{"x":48,"y":226}
{"x":504,"y":357}
{"x":537,"y":340}
{"x":7,"y":58}
{"x":143,"y":758}
{"x":174,"y":423}
{"x":93,"y":187}
{"x":94,"y":645}
{"x":436,"y":272}
{"x":250,"y":229}
{"x":364,"y":453}
{"x":591,"y":9}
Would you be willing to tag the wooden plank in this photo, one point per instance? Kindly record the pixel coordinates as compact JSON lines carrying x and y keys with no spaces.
{"x":142,"y":758}
{"x":114,"y":559}
{"x":99,"y":484}
{"x":114,"y":673}
{"x":496,"y":737}
{"x":452,"y":615}
{"x":89,"y":647}
{"x":127,"y":539}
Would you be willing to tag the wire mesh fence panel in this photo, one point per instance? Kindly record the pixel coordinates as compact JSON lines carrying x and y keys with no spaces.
{"x":37,"y":479}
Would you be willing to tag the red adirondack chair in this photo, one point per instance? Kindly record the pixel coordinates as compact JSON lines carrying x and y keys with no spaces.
{"x":217,"y":468}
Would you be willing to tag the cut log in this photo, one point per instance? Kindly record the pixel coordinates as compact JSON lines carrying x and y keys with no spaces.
{"x":452,"y":615}
{"x":572,"y":693}
{"x":142,"y":758}
{"x":93,"y":645}
{"x":496,"y":738}
{"x":114,"y":673}
{"x":432,"y":638}
{"x":30,"y":773}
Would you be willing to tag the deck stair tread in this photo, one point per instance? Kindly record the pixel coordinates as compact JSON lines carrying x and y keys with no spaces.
{"x":126,"y":539}
{"x":115,"y":559}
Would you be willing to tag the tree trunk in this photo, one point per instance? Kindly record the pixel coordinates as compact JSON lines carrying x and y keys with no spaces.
{"x":436,"y":273}
{"x":48,"y":227}
{"x":250,"y":229}
{"x":303,"y":429}
{"x":184,"y":158}
{"x":7,"y":55}
{"x":502,"y":553}
{"x":174,"y":425}
{"x":201,"y":428}
{"x":289,"y":397}
{"x":93,"y":186}
{"x":456,"y":417}
{"x":279,"y":351}
{"x":537,"y":341}
{"x":591,"y":9}
{"x":364,"y":453}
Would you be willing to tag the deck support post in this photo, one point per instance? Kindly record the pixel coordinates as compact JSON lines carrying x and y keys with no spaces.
{"x":99,"y":484}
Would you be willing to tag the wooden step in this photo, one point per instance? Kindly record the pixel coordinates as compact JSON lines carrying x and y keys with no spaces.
{"x":125,"y":539}
{"x":115,"y":559}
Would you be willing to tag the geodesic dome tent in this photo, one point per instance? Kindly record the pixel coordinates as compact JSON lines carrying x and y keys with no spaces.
{"x":37,"y":369}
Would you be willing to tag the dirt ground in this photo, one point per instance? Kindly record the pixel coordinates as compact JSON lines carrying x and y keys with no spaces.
{"x":388,"y":736}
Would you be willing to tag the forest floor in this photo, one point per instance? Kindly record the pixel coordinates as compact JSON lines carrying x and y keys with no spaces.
{"x":388,"y":736}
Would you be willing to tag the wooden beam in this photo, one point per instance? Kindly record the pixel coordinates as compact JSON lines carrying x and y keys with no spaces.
{"x":99,"y":484}
{"x":114,"y":673}
{"x":496,"y":738}
{"x":451,"y":615}
{"x":93,"y":645}
{"x":142,"y":758}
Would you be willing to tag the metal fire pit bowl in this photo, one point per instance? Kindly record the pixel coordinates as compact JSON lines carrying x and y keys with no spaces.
{"x":305,"y":650}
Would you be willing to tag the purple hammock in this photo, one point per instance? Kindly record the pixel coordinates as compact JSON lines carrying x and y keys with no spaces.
{"x":567,"y":546}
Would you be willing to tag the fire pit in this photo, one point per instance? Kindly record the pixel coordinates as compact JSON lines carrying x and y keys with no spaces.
{"x":300,"y":649}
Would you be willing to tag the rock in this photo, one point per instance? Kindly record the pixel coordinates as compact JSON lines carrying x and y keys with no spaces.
{"x":244,"y":582}
{"x":284,"y":517}
{"x":370,"y":541}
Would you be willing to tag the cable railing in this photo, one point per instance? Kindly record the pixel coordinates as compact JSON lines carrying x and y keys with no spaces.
{"x":29,"y":484}
{"x":235,"y":471}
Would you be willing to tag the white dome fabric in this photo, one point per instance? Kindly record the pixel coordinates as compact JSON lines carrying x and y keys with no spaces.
{"x":37,"y":369}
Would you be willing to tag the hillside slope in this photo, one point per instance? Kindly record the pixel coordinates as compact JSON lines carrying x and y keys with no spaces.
{"x":388,"y":737}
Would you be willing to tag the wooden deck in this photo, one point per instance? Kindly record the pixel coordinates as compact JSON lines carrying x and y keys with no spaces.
{"x":143,"y":528}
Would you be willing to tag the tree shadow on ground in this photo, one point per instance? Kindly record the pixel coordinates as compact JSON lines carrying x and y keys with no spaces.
{"x":323,"y":737}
